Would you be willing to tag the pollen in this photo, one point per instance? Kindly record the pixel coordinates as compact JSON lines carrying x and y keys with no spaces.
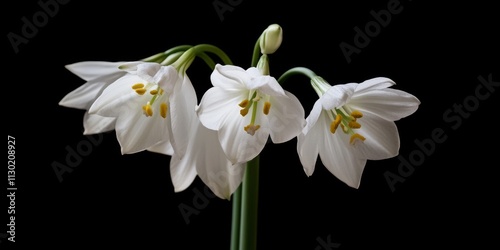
{"x":163,"y":110}
{"x":138,"y":86}
{"x":356,"y":114}
{"x":250,"y":128}
{"x":244,"y":112}
{"x":355,"y":137}
{"x":153,"y":92}
{"x":354,"y":124}
{"x":243,"y":103}
{"x":267,"y":107}
{"x":148,"y":111}
{"x":140,"y":91}
{"x":335,"y":124}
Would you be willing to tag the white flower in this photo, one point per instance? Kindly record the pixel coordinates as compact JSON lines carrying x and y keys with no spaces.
{"x":353,"y":123}
{"x":98,"y":75}
{"x":152,"y":105}
{"x":245,"y":107}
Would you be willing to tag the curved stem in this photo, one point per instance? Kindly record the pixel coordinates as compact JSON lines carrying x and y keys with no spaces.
{"x":208,"y":60}
{"x":296,"y":71}
{"x":214,"y":50}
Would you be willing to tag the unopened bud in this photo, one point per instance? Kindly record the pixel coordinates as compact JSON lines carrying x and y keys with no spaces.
{"x":271,"y":38}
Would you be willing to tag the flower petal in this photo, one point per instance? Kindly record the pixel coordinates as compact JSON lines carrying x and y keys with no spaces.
{"x":313,"y":117}
{"x":337,"y":95}
{"x":307,"y":142}
{"x":212,"y":166}
{"x":94,"y":124}
{"x":337,"y":156}
{"x":167,"y":77}
{"x":381,"y":138}
{"x":83,"y":96}
{"x":374,"y":83}
{"x":238,"y":145}
{"x":182,"y":110}
{"x":119,"y":96}
{"x":136,"y":132}
{"x":286,"y":118}
{"x":389,"y":104}
{"x":90,"y":70}
{"x":164,"y":147}
{"x":229,"y":77}
{"x":217,"y":104}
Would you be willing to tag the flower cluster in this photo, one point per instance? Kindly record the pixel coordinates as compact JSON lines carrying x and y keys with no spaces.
{"x":151,"y":105}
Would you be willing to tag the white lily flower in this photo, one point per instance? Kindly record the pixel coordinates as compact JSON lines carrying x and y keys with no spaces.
{"x":352,"y":123}
{"x":245,"y":107}
{"x":152,"y":105}
{"x":98,"y":75}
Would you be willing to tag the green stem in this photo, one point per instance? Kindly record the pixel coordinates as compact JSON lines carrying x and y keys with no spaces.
{"x":249,"y":206}
{"x":161,"y":56}
{"x":296,"y":71}
{"x":256,"y":53}
{"x":214,"y":50}
{"x":208,"y":60}
{"x":236,"y":218}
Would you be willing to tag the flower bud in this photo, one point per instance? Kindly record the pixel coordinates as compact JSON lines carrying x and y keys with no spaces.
{"x":271,"y":38}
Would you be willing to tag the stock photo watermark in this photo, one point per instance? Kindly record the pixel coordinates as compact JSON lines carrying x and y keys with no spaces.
{"x":362,"y":36}
{"x":11,"y":189}
{"x":75,"y":155}
{"x":326,"y":243}
{"x":454,"y":118}
{"x":200,"y":201}
{"x":31,"y":26}
{"x":223,"y":6}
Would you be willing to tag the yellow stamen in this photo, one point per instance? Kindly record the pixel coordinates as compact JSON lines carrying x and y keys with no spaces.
{"x":354,"y":124}
{"x":250,"y":128}
{"x":244,"y":112}
{"x":356,"y":136}
{"x":335,"y":124}
{"x":267,"y":106}
{"x":356,"y":114}
{"x":163,"y":110}
{"x":140,"y":91}
{"x":148,"y":111}
{"x":161,"y":91}
{"x":153,"y":92}
{"x":243,"y":103}
{"x":138,"y":86}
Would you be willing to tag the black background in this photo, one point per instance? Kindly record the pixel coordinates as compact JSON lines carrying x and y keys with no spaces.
{"x":433,"y":51}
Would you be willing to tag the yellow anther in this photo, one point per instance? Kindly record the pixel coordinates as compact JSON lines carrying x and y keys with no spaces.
{"x":163,"y":110}
{"x":148,"y":111}
{"x":244,"y":112}
{"x":161,"y":91}
{"x":250,"y":128}
{"x":243,"y":103}
{"x":354,"y":124}
{"x":335,"y":124}
{"x":140,"y":91}
{"x":356,"y":114}
{"x":355,"y":137}
{"x":153,"y":92}
{"x":267,"y":106}
{"x":138,"y":86}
